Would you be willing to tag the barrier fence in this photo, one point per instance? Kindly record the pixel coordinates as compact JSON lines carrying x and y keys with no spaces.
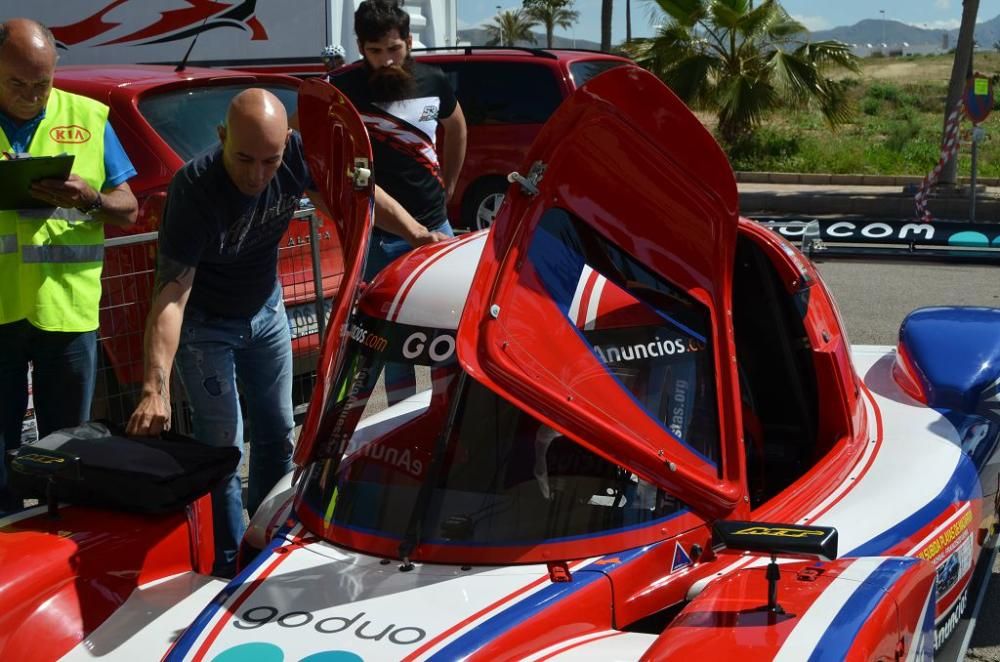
{"x":310,"y":267}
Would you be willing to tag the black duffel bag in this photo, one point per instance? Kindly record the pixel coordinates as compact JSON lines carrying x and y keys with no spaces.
{"x":95,"y":464}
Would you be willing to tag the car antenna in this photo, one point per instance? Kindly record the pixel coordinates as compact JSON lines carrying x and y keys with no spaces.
{"x":182,"y":65}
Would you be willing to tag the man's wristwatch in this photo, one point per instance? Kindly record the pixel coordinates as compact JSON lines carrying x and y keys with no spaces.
{"x":94,"y":206}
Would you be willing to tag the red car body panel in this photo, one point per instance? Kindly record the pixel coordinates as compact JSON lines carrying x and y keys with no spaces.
{"x":728,"y":616}
{"x":64,"y":576}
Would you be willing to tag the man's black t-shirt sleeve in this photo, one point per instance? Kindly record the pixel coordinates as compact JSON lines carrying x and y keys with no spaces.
{"x":184,"y":230}
{"x":295,"y":159}
{"x":446,"y":94}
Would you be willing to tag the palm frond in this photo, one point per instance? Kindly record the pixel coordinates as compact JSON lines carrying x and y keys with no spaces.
{"x":833,"y":52}
{"x":684,"y":12}
{"x":743,"y":103}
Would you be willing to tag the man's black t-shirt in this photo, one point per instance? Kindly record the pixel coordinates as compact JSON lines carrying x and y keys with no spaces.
{"x":403,"y":138}
{"x":230,"y":238}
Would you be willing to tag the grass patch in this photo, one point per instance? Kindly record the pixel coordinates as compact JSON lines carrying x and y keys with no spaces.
{"x":896,"y":127}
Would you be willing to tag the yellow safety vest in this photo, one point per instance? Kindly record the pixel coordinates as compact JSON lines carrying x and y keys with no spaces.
{"x":51,"y":259}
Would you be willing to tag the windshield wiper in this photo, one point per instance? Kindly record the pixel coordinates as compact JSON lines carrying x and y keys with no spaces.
{"x":416,"y":524}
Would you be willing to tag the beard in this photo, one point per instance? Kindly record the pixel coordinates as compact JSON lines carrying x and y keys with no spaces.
{"x":392,"y":83}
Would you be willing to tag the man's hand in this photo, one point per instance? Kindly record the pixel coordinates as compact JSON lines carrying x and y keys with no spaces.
{"x":70,"y":194}
{"x":429,"y":237}
{"x":152,"y":415}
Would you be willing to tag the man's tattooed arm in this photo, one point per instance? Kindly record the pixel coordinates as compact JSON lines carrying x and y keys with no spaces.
{"x":163,"y":330}
{"x":170,"y":271}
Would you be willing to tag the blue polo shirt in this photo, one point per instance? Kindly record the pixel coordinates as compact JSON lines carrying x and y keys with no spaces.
{"x":117,"y":166}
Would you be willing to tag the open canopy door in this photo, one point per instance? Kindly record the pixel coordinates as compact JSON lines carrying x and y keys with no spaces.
{"x":339,"y":155}
{"x":601,"y":301}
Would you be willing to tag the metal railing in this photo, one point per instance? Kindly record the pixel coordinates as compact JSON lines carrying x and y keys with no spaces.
{"x":309,"y":266}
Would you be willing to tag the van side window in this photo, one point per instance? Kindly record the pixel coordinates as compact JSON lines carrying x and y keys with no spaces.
{"x":504,"y":92}
{"x":584,"y":71}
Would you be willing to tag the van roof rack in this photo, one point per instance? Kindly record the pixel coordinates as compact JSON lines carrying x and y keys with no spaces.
{"x":538,"y":52}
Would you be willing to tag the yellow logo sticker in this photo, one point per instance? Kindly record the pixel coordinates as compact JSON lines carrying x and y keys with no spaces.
{"x":43,"y":459}
{"x":778,"y":532}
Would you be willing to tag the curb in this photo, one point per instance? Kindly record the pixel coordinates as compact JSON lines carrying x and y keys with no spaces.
{"x":821,"y":179}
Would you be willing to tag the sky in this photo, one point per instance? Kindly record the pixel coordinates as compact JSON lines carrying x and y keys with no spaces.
{"x":931,"y":14}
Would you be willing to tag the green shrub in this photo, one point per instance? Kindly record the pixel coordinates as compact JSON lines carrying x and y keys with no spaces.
{"x":870,"y":106}
{"x":765,"y":149}
{"x":901,"y":132}
{"x":883,"y":91}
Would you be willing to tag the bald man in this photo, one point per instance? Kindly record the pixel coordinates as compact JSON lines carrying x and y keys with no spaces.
{"x":51,"y":257}
{"x":217,"y":311}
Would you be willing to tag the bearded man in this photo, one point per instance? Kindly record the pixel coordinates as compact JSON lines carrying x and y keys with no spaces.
{"x":401,"y":103}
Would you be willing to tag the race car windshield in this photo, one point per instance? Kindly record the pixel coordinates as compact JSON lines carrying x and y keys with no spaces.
{"x":497,"y":477}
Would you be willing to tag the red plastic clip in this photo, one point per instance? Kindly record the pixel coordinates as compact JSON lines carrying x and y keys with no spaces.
{"x":559,"y":572}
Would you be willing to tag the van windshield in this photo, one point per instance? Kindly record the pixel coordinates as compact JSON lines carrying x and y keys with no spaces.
{"x":187,"y":118}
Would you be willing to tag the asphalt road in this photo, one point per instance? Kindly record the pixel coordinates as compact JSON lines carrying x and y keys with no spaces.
{"x":874,"y":297}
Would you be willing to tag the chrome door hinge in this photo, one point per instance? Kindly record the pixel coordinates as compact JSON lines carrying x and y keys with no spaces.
{"x":529,"y":184}
{"x":361,"y":174}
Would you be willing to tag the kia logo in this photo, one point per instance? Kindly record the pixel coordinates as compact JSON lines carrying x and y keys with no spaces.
{"x":72,"y":134}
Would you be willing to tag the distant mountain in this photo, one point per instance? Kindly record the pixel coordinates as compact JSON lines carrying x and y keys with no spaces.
{"x":987,"y":33}
{"x":873,"y":31}
{"x":479,"y":37}
{"x":895,"y":33}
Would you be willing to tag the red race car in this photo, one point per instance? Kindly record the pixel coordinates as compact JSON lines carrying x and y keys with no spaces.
{"x":638,"y":432}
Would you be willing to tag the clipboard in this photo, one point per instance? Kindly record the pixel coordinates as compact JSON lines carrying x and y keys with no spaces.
{"x":17,"y":175}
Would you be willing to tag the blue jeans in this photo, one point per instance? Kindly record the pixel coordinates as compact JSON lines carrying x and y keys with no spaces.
{"x":400,"y":381}
{"x":64,"y":366}
{"x":215,"y":354}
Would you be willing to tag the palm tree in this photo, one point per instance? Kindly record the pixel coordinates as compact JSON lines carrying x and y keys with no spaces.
{"x":628,"y":21}
{"x":743,"y":62}
{"x":551,"y":14}
{"x":607,"y":10}
{"x":510,"y":27}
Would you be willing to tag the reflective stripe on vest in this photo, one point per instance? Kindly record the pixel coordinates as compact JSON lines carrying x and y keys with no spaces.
{"x":50,"y":269}
{"x":68,"y":214}
{"x":57,"y":254}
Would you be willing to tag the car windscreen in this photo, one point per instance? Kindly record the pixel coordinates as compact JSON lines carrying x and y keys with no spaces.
{"x":503,"y":92}
{"x":471,"y":467}
{"x":187,"y":118}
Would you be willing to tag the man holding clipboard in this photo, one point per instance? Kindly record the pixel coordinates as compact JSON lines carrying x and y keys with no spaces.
{"x":51,"y":236}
